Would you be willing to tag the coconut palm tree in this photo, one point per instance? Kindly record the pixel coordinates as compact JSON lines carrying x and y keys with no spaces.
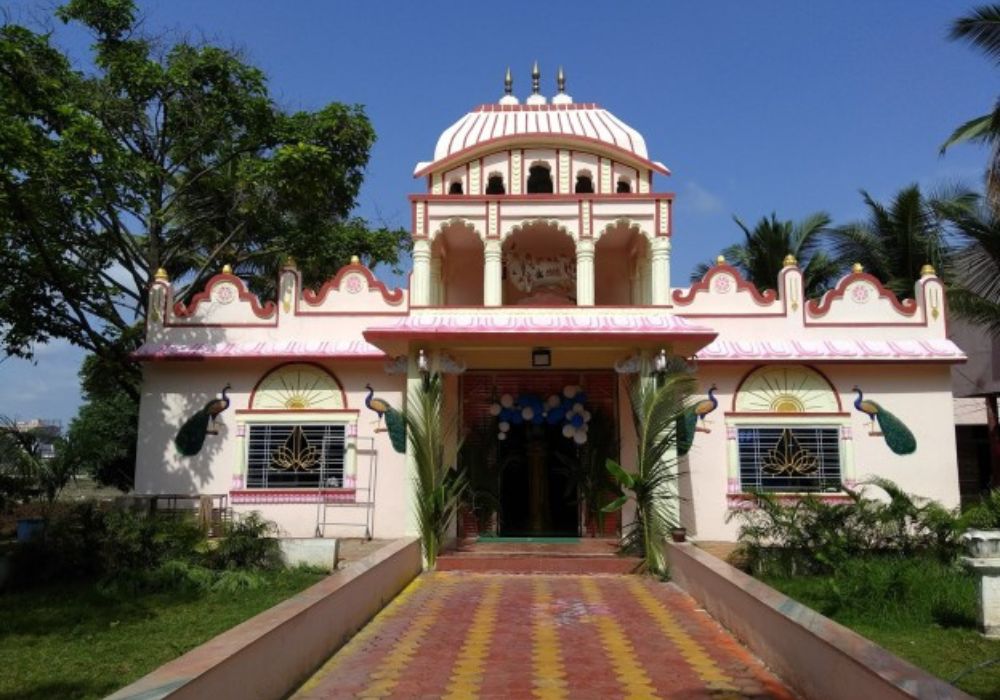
{"x":761,"y":256}
{"x":657,"y":409}
{"x":899,"y":238}
{"x":439,"y":487}
{"x":975,"y":290}
{"x":981,"y":28}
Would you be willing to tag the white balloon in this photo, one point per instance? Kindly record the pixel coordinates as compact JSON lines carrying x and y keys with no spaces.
{"x":568,"y":430}
{"x":586,"y":416}
{"x":569,"y":391}
{"x":506,"y":400}
{"x":504,"y":426}
{"x":578,"y":408}
{"x":583,"y":428}
{"x":501,"y":436}
{"x":580,"y":438}
{"x":552,"y":401}
{"x":495,"y":409}
{"x":527,"y":413}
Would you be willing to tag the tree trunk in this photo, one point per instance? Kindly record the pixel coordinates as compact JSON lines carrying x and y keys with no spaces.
{"x":993,"y":430}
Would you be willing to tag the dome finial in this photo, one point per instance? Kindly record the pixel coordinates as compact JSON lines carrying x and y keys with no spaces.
{"x":536,"y":78}
{"x":508,"y":83}
{"x":561,"y":80}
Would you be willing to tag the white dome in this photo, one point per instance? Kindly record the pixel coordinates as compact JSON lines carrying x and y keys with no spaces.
{"x":492,"y":122}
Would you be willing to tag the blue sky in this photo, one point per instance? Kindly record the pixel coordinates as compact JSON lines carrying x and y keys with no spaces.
{"x":755,"y":106}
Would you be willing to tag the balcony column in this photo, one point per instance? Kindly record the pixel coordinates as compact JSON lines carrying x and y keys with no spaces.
{"x":585,"y":272}
{"x":660,"y":271}
{"x":492,"y":274}
{"x":437,"y":289}
{"x":420,"y":284}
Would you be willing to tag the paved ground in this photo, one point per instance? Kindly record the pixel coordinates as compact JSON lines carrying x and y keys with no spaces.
{"x":467,"y":635}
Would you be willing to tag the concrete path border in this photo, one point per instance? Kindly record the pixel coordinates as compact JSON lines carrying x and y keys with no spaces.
{"x":270,"y":654}
{"x":815,"y":656}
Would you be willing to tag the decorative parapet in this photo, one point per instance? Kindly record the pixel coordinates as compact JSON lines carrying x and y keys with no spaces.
{"x":723,"y":291}
{"x":860,"y":298}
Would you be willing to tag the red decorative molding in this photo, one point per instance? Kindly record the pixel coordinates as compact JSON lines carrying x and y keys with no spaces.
{"x":280,"y":496}
{"x":684,"y":298}
{"x":820,"y":307}
{"x":391,"y":296}
{"x":497,"y":143}
{"x":266,"y":311}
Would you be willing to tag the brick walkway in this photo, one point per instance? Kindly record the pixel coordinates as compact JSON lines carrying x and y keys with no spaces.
{"x":467,"y":635}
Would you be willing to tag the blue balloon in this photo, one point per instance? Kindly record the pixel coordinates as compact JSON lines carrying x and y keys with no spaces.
{"x":538,"y":419}
{"x":581,"y":398}
{"x":517,"y":419}
{"x":557,"y":414}
{"x":576,"y":421}
{"x":506,"y":415}
{"x":552,"y":418}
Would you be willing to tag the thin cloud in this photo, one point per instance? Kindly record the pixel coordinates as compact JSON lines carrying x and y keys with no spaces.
{"x":700,"y":200}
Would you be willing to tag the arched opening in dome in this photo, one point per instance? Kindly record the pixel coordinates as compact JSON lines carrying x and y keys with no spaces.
{"x":584,"y":183}
{"x":540,"y":179}
{"x":457,"y":267}
{"x":622,"y":267}
{"x":539,"y":266}
{"x":455,"y":187}
{"x":624,"y":186}
{"x":494,"y":184}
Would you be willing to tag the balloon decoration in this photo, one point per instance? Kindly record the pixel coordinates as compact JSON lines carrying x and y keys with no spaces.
{"x":569,"y":411}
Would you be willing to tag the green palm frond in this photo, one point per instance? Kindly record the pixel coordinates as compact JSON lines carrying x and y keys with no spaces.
{"x":981,"y":28}
{"x":974,"y":130}
{"x":975,"y":292}
{"x":439,"y":488}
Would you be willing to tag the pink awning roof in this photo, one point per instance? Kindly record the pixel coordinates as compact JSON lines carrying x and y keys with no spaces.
{"x":939,"y":350}
{"x":296,"y":349}
{"x":506,"y":329}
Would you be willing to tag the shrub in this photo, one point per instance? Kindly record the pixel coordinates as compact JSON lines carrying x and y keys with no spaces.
{"x":985,"y":515}
{"x":248,"y":542}
{"x":814,"y":535}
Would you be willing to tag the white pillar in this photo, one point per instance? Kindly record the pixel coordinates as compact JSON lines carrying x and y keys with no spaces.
{"x":492,"y":274}
{"x":437,"y":288}
{"x":420,"y":285}
{"x":660,"y":271}
{"x":585,"y":272}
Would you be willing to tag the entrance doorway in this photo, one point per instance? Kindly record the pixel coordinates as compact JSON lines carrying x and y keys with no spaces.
{"x":529,"y":470}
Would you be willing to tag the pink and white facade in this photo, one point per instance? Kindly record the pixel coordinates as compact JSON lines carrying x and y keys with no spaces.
{"x":541,"y":263}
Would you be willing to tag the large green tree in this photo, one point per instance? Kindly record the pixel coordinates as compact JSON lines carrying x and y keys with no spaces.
{"x":159,"y":154}
{"x":981,"y":28}
{"x":900,"y":237}
{"x":761,"y":255}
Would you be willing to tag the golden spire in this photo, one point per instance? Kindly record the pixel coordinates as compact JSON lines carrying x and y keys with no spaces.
{"x":289,"y":261}
{"x":857,"y":268}
{"x":561,"y":80}
{"x":161,"y":274}
{"x":227,"y":269}
{"x":536,"y":78}
{"x":790,"y":261}
{"x":508,"y":83}
{"x":720,"y":260}
{"x":355,"y":260}
{"x":928,"y":271}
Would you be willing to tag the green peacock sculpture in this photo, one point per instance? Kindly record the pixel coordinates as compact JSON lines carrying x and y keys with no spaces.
{"x":687,"y":424}
{"x":191,"y":437}
{"x":395,"y":425}
{"x":897,"y":436}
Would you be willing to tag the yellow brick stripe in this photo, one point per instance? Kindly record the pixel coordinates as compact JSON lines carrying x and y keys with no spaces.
{"x":550,"y":675}
{"x":365,"y":634}
{"x":631,"y":676}
{"x":387,"y":674}
{"x":467,"y":673}
{"x":698,"y":659}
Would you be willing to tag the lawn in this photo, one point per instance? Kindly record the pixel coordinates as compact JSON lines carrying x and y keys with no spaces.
{"x":70,"y":641}
{"x":922,"y":613}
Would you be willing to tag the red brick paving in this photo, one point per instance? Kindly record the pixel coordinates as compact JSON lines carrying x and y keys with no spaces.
{"x":614,"y":636}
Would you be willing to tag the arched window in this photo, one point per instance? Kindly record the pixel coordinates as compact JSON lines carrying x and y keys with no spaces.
{"x":494,"y":185}
{"x":584,"y":183}
{"x":455,"y":187}
{"x":539,"y":179}
{"x":624,"y":186}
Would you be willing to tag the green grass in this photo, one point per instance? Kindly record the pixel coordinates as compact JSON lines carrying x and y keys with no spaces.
{"x":69,"y":641}
{"x":918,"y":609}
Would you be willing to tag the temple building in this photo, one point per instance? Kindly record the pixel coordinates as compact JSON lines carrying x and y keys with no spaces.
{"x":541,"y":287}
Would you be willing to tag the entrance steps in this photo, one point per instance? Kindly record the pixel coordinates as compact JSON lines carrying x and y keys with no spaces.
{"x":551,"y":556}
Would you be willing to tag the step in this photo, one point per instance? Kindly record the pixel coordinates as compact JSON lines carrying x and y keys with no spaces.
{"x":534,"y":563}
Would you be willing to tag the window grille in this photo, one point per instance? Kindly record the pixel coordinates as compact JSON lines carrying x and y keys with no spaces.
{"x":789,"y":459}
{"x":295,"y":456}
